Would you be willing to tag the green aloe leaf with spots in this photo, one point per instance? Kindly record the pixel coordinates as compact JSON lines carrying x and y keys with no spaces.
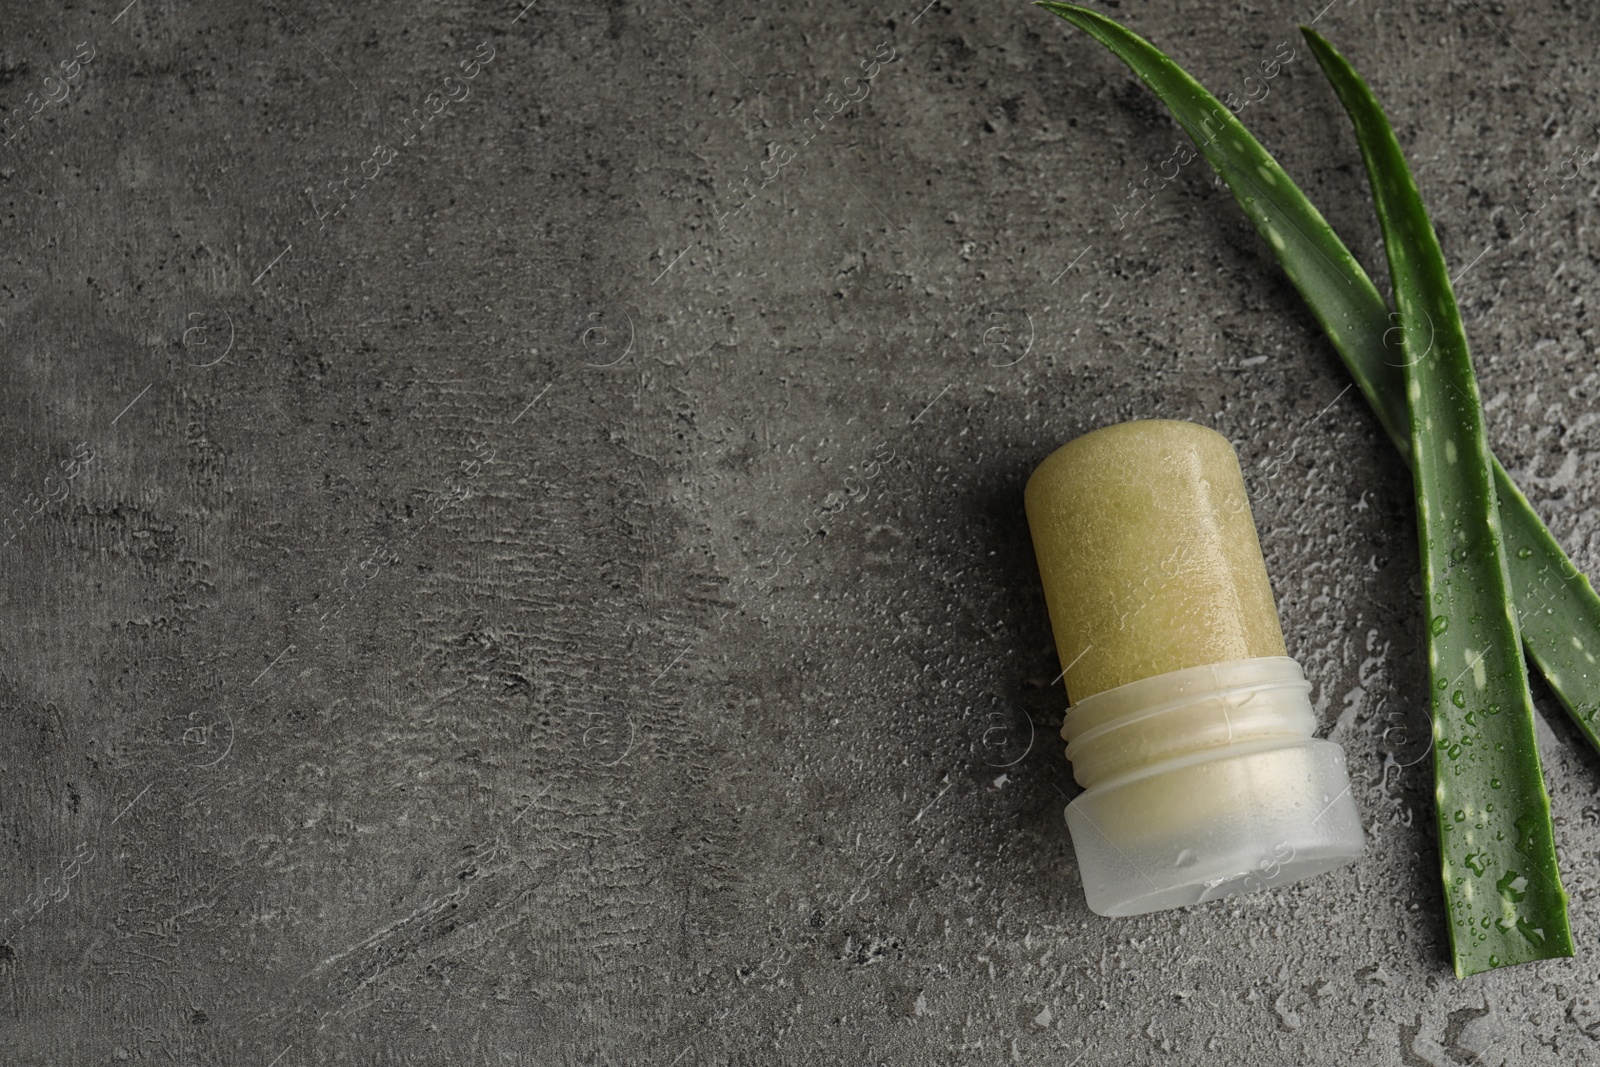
{"x":1496,"y":845}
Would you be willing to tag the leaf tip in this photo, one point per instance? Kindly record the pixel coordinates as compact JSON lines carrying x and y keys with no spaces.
{"x":1320,"y":46}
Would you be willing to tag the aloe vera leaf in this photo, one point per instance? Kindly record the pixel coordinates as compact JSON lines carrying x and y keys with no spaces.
{"x":1556,"y":607}
{"x":1555,"y":603}
{"x":1497,"y":848}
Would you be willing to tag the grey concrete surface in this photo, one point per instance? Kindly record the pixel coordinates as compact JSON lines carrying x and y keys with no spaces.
{"x":552,"y":602}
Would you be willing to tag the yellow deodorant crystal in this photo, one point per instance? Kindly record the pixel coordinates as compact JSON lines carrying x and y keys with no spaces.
{"x":1149,"y":555}
{"x":1190,"y":727}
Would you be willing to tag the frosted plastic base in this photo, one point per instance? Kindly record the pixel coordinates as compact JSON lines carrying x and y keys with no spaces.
{"x":1222,"y":820}
{"x":1290,"y":816}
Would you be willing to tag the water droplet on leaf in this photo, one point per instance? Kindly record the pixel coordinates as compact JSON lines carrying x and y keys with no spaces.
{"x":1512,"y":886}
{"x":1527,"y":827}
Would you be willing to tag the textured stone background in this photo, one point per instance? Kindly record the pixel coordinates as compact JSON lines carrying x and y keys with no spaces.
{"x":522,"y":619}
